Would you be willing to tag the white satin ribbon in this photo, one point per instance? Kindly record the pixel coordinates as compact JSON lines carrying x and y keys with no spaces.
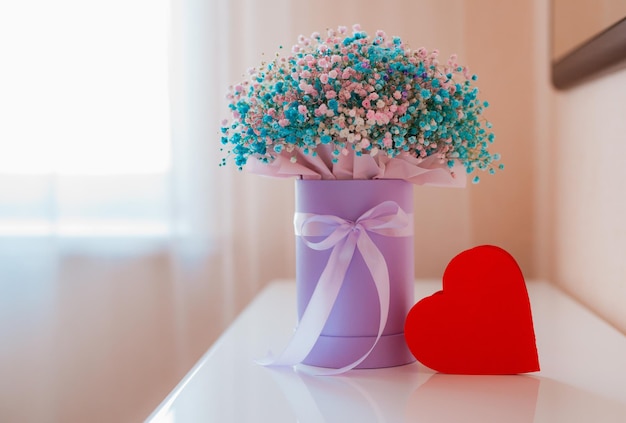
{"x":343,"y":237}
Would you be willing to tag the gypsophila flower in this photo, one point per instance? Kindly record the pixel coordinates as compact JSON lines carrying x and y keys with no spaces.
{"x":359,"y":95}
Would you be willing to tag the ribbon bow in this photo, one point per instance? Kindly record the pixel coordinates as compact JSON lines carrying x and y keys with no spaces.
{"x":343,"y":237}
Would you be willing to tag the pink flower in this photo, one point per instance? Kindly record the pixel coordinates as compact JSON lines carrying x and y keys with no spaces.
{"x":344,"y":94}
{"x":324,"y":78}
{"x":331,"y":94}
{"x":332,"y":74}
{"x":307,"y":88}
{"x":382,"y":118}
{"x":321,"y":110}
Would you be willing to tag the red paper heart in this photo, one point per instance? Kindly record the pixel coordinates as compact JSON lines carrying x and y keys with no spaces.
{"x":480,"y":323}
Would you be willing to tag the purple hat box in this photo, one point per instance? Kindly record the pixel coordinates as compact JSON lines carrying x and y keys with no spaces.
{"x":353,"y":324}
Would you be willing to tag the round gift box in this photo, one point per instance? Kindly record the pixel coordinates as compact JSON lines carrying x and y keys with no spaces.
{"x":353,"y":324}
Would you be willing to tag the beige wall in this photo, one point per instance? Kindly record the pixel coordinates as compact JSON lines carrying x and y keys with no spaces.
{"x":499,"y":39}
{"x":590,"y":195}
{"x":566,"y":207}
{"x":580,"y":230}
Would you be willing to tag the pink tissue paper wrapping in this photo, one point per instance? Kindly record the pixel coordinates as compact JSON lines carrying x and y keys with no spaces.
{"x":428,"y":171}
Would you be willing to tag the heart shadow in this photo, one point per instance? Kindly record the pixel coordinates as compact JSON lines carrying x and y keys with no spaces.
{"x":476,"y":398}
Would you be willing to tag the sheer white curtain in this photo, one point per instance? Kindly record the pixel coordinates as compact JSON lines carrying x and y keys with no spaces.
{"x":124,"y":249}
{"x":236,"y":234}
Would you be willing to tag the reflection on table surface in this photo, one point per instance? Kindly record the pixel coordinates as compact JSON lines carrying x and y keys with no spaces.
{"x":408,"y":393}
{"x":443,"y":398}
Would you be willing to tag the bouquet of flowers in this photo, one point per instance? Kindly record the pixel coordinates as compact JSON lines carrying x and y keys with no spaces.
{"x":351,"y":106}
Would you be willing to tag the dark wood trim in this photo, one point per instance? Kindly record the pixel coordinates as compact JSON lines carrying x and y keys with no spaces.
{"x":604,"y":51}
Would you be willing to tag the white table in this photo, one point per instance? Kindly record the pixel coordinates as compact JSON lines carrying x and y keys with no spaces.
{"x":582,"y":377}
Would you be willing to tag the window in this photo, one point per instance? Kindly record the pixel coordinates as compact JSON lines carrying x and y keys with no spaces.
{"x":85,"y":136}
